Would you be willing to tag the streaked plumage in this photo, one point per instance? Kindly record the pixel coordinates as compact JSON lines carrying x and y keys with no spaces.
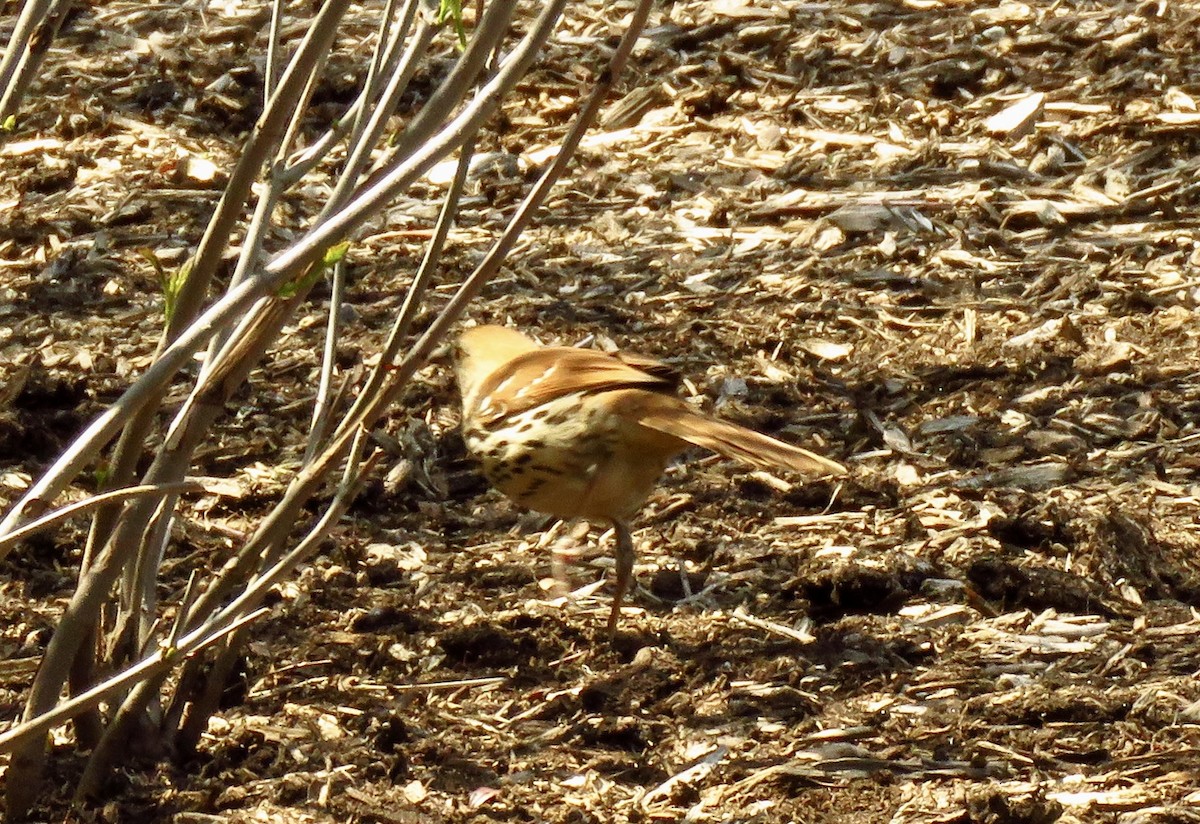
{"x":578,"y":433}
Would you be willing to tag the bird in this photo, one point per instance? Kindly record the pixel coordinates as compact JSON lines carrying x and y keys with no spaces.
{"x":583,"y":434}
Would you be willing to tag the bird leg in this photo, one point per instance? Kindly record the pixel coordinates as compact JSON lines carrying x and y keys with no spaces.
{"x":565,"y":553}
{"x":625,"y":555}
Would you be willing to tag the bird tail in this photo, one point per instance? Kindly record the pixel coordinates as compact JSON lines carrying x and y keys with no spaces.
{"x":739,"y":443}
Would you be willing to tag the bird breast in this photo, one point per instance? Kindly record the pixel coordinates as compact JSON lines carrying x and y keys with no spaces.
{"x":571,"y":457}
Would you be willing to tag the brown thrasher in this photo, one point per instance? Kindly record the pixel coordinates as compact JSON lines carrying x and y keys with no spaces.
{"x":578,"y":433}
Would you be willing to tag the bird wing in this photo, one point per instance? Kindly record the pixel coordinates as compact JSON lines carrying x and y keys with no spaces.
{"x":652,"y":366}
{"x":543,"y":375}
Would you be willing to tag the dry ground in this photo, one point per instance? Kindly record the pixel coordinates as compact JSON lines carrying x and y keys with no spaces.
{"x":807,"y":209}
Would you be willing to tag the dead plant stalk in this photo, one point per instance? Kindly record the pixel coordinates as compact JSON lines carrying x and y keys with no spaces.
{"x":128,"y":543}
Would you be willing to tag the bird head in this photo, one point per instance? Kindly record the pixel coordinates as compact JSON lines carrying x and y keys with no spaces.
{"x":480,"y":351}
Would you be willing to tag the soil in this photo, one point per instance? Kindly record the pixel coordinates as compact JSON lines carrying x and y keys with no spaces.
{"x":837,"y":223}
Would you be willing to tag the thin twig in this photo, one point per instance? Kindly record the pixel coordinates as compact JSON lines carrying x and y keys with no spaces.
{"x":416,"y":290}
{"x":37,"y":26}
{"x":799,"y":636}
{"x":321,"y":408}
{"x":190,"y":644}
{"x":91,"y":502}
{"x":274,"y":58}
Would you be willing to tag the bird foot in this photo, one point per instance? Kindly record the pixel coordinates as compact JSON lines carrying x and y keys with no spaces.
{"x":565,"y":553}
